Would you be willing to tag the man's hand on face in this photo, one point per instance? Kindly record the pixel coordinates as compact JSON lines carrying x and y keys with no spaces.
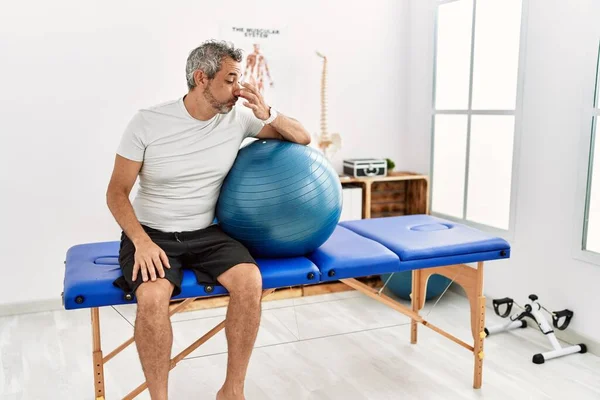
{"x":254,"y":101}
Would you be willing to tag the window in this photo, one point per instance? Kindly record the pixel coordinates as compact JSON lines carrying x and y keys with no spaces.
{"x":475,"y":106}
{"x":591,"y":234}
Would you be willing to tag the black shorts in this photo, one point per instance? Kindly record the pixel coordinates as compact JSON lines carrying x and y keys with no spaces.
{"x":207,"y":252}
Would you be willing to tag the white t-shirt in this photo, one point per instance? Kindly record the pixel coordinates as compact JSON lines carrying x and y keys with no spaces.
{"x":185,"y":161}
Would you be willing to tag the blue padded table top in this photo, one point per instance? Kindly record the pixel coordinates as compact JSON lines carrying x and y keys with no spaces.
{"x":356,"y":248}
{"x":424,"y":237}
{"x":348,"y":255}
{"x":91,"y":269}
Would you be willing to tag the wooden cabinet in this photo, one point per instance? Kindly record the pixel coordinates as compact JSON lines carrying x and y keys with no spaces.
{"x":398,"y":193}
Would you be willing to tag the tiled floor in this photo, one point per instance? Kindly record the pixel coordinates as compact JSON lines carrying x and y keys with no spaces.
{"x":338,"y":346}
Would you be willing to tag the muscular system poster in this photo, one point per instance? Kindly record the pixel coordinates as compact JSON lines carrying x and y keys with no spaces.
{"x":261,"y":62}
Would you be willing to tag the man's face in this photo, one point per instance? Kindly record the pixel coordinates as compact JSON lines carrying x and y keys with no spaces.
{"x":221,"y":91}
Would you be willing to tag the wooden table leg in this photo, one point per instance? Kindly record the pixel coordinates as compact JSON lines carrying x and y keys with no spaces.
{"x":416,"y":298}
{"x":97,"y":356}
{"x":471,"y":280}
{"x":477,"y":301}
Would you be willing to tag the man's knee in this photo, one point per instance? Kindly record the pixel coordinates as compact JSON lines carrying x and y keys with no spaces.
{"x":242,"y":280}
{"x":153,"y":297}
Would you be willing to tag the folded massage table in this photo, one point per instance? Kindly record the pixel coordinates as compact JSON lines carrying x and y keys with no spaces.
{"x":422,"y":244}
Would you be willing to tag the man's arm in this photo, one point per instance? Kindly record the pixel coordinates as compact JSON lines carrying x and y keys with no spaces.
{"x":123,"y":178}
{"x":282,"y":127}
{"x":148,"y":254}
{"x":285,"y":128}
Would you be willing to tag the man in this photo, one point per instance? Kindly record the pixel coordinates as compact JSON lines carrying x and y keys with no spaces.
{"x":182,"y":150}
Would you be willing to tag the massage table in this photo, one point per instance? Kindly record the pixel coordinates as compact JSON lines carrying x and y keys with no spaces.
{"x":422,"y":244}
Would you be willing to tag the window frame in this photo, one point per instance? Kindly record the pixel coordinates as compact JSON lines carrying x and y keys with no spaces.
{"x":469,"y":112}
{"x":588,"y":139}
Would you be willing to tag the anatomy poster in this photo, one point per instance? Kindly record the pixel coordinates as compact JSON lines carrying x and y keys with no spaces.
{"x":262,"y":61}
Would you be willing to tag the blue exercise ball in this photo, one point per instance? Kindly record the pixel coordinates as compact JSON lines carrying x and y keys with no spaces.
{"x":280,"y":199}
{"x":401,"y":284}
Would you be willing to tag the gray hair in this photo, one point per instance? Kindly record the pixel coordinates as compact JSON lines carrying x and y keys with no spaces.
{"x":208,"y":57}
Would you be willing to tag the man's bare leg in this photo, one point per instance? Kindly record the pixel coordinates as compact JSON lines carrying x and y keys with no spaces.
{"x":244,"y":284}
{"x":154,"y":335}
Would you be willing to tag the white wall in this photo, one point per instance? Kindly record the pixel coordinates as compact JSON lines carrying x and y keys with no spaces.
{"x":562,"y":39}
{"x":73,"y":73}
